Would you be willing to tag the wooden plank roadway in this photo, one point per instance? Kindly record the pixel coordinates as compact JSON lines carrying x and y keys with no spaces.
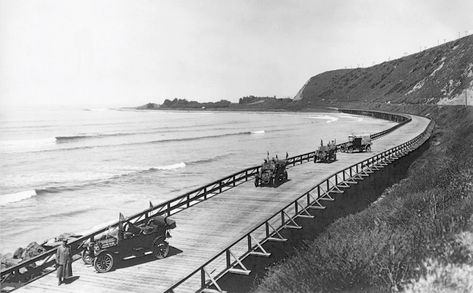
{"x":211,"y":226}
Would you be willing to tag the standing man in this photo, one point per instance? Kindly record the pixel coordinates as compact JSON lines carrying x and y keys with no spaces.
{"x":64,"y":262}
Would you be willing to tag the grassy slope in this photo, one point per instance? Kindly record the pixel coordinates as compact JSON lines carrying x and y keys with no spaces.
{"x":425,"y":77}
{"x":386,"y":245}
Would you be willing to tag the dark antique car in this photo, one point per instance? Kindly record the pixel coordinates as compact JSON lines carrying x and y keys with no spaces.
{"x":272,"y":173}
{"x":326,"y":153}
{"x":357,"y":143}
{"x":129,"y":240}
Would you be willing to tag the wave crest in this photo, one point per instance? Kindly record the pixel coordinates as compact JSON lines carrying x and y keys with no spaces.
{"x":167,"y":140}
{"x":15,"y":197}
{"x":329,"y":118}
{"x":169,"y":167}
{"x":130,"y":171}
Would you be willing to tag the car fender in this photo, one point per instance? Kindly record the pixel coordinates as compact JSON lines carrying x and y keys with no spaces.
{"x":159,"y":239}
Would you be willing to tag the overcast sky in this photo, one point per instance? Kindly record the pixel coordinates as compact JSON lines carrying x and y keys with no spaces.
{"x":131,"y":52}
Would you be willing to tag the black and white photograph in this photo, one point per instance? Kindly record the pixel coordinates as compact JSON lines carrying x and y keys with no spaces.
{"x":240,"y":146}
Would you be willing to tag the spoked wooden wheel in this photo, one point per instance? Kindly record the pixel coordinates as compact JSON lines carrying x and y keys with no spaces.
{"x":103,"y":262}
{"x":161,"y":250}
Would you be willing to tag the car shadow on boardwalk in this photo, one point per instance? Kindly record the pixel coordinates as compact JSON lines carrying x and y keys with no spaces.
{"x":145,"y":259}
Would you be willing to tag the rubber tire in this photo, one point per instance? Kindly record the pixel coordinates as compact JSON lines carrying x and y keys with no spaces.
{"x":160,"y":249}
{"x":86,"y":258}
{"x":256,"y":182}
{"x":104,"y":262}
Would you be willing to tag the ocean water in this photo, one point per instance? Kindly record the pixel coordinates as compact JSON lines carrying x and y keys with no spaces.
{"x":69,"y":169}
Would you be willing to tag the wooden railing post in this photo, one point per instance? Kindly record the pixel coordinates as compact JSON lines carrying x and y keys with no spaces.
{"x":227,"y":256}
{"x":202,"y":278}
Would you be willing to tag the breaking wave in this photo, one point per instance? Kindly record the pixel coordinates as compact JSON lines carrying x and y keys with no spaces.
{"x":15,"y":197}
{"x":71,"y":138}
{"x":329,"y":118}
{"x":129,"y":172}
{"x":258,"y":132}
{"x":209,"y":160}
{"x":168,"y":167}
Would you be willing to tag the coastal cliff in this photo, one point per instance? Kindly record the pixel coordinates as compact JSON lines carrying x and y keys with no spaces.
{"x":440,"y":75}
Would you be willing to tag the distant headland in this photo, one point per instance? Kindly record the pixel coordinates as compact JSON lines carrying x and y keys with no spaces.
{"x":244,"y":103}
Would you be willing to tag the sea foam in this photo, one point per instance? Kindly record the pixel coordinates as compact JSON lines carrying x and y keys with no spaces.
{"x":14,"y":197}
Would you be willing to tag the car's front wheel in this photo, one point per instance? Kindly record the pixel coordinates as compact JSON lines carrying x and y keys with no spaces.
{"x":161,"y":250}
{"x":86,"y":257}
{"x":104,"y":262}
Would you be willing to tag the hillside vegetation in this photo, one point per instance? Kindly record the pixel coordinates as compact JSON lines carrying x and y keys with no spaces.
{"x":421,"y":228}
{"x":439,"y":75}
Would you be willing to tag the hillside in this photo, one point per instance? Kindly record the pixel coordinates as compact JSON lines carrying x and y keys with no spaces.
{"x":439,"y":75}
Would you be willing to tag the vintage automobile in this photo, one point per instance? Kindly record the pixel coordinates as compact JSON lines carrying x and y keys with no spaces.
{"x":272,"y":173}
{"x":326,"y":153}
{"x":129,"y":240}
{"x":357,"y":143}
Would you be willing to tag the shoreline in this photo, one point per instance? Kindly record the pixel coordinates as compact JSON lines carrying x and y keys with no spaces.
{"x":317,"y":108}
{"x":107,"y":224}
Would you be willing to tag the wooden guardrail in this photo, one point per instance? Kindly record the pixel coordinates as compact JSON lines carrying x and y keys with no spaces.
{"x":33,"y":268}
{"x":298,"y":208}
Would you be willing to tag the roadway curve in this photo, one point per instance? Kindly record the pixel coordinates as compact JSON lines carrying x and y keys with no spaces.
{"x":204,"y":230}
